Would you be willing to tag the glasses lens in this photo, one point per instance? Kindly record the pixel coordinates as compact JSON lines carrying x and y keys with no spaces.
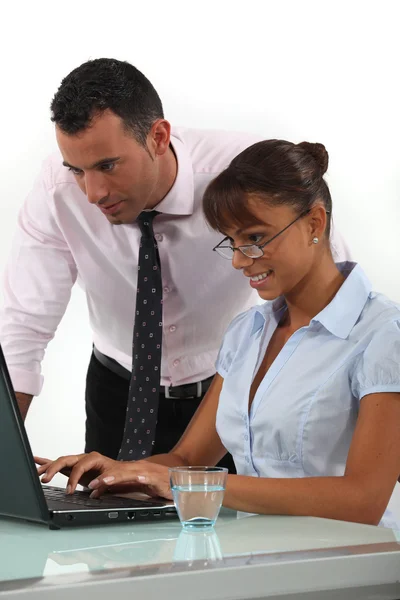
{"x":252,"y":251}
{"x":225,"y":252}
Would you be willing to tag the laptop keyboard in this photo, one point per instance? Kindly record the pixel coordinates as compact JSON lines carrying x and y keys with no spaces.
{"x":83,"y":499}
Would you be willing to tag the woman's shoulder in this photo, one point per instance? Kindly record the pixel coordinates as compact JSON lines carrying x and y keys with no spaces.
{"x":380,"y":310}
{"x":243,"y":322}
{"x":237,"y":337}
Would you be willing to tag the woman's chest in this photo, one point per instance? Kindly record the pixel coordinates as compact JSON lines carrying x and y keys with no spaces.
{"x":303,"y":394}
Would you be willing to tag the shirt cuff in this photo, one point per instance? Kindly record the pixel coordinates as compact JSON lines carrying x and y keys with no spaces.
{"x":380,"y":389}
{"x":26,"y":382}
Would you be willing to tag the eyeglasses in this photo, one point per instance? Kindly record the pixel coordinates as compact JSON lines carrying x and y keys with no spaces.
{"x":252,"y":250}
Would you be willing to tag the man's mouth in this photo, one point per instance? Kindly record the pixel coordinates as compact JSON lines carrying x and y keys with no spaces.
{"x":111,"y":208}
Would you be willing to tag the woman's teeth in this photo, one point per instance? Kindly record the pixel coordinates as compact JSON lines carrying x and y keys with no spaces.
{"x":262,"y":276}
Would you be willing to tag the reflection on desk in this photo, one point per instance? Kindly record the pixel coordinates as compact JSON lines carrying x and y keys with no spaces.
{"x":32,"y":551}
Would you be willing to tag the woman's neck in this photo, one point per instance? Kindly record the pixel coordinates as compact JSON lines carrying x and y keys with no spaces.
{"x":313,"y":293}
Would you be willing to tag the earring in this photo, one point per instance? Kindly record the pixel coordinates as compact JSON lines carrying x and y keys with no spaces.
{"x":315,"y":240}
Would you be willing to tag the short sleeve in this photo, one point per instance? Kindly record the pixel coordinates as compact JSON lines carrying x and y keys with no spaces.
{"x":378,"y":368}
{"x":235,"y":336}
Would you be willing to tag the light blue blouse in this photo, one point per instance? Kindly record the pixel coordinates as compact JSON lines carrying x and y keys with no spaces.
{"x":304,"y":412}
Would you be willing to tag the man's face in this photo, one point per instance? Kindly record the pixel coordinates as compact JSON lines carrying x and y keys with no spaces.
{"x":116,"y":173}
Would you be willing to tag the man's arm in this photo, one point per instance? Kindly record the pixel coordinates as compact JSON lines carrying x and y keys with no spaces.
{"x":36,"y":289}
{"x":24,"y":402}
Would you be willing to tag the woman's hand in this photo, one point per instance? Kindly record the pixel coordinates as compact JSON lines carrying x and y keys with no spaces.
{"x":100,"y":474}
{"x":79,"y":468}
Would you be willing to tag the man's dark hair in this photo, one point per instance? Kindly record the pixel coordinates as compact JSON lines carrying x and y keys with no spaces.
{"x":106,"y":83}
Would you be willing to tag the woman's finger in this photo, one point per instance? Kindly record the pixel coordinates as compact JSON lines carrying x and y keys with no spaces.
{"x":125,"y":488}
{"x":86,"y":467}
{"x":59,"y":465}
{"x":41,"y":461}
{"x":154,"y":477}
{"x":116,"y":474}
{"x":42,"y":469}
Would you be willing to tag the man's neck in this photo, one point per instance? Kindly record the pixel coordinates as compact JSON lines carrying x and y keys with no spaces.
{"x":167,"y":176}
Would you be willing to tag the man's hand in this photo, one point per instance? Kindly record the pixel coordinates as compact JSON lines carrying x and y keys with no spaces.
{"x":102,"y":474}
{"x":24,"y":401}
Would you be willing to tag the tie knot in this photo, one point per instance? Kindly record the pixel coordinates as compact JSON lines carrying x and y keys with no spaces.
{"x":145,"y":222}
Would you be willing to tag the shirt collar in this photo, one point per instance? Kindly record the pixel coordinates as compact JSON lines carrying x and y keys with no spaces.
{"x":180,"y":198}
{"x":341,"y":314}
{"x":267,"y":310}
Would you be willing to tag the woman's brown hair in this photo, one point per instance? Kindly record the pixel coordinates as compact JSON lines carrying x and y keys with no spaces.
{"x":278,"y":171}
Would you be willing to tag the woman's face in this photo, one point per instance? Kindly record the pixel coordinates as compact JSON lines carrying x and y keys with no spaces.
{"x":287,"y":260}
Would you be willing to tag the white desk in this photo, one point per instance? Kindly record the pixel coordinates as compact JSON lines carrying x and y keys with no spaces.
{"x":247,"y":558}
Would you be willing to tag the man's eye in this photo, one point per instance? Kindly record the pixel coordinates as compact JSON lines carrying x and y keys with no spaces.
{"x":107,"y":166}
{"x":75,"y":171}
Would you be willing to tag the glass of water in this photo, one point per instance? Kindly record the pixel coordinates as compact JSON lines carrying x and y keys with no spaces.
{"x":198,"y":493}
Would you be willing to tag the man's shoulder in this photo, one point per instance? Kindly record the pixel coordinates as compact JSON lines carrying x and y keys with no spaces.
{"x":212,"y":150}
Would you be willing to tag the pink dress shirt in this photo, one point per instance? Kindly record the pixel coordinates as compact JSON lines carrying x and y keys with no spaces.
{"x":61,"y":239}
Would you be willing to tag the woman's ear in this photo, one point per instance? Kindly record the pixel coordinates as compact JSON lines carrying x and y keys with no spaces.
{"x":318,"y":222}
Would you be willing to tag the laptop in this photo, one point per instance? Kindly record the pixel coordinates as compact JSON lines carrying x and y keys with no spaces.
{"x":23,"y":497}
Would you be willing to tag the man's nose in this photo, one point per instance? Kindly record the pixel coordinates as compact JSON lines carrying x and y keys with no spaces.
{"x":95,"y":187}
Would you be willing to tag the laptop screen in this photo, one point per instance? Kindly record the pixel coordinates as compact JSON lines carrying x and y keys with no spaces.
{"x":21,"y":495}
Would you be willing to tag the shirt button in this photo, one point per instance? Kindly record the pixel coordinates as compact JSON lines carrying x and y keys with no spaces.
{"x":246,"y":437}
{"x":247,"y":459}
{"x":172,"y":328}
{"x":166,"y":290}
{"x":159,"y":237}
{"x":176,"y":362}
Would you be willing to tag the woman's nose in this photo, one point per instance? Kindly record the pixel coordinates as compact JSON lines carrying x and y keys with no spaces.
{"x":240,"y":260}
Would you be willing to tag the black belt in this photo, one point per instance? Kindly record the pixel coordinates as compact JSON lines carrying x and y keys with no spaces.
{"x":186,"y":391}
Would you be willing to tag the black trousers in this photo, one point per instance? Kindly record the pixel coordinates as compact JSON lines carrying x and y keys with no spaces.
{"x":106,"y":398}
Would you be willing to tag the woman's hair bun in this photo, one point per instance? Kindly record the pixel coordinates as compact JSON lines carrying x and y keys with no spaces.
{"x":319,"y":154}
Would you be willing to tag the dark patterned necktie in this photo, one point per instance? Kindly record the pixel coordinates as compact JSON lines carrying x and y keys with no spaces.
{"x":142,"y":407}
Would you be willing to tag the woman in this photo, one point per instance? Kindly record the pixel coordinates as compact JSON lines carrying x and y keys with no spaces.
{"x":307,"y":391}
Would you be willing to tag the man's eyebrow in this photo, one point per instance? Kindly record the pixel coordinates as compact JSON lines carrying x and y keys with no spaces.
{"x":103,"y":161}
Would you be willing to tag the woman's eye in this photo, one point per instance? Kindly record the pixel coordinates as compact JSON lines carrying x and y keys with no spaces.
{"x":255,"y":238}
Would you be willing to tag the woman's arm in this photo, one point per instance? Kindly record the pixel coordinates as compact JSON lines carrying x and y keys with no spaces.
{"x":360,"y":495}
{"x":199,"y":445}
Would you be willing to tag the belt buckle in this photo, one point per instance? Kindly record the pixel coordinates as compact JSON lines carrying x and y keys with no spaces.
{"x":199,"y":389}
{"x":166,"y":392}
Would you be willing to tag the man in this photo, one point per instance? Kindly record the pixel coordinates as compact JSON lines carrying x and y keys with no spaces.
{"x":123,"y":203}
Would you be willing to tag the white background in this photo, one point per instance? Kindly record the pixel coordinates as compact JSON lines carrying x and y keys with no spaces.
{"x":321,"y":70}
